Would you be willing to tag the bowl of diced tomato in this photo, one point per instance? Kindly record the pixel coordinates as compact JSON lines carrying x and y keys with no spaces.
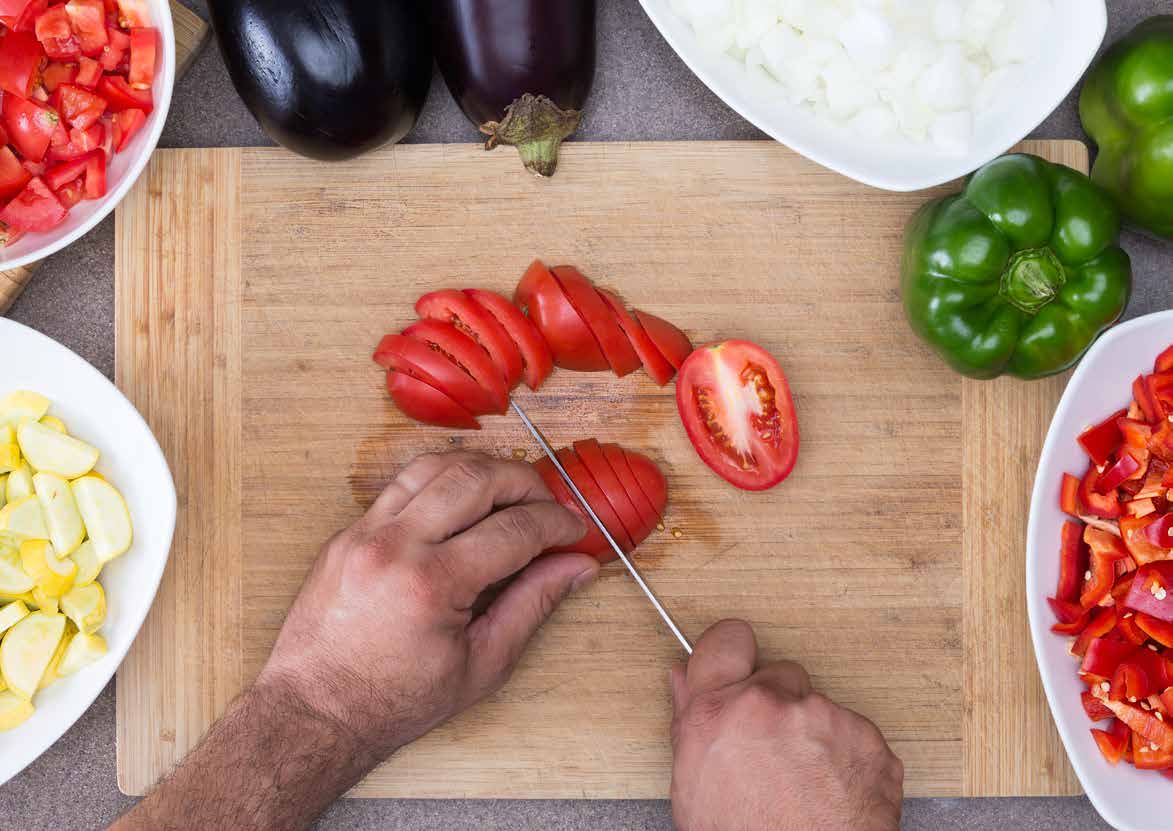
{"x":85,"y":86}
{"x":1100,"y":572}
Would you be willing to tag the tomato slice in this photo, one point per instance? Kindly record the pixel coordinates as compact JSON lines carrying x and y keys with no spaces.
{"x":436,"y":368}
{"x":13,"y":176}
{"x":457,"y":308}
{"x":593,"y":543}
{"x":595,"y":497}
{"x":673,"y":344}
{"x":29,"y":125}
{"x":736,"y":407}
{"x":651,"y":480}
{"x":536,"y":360}
{"x":591,"y":455}
{"x":599,"y":318}
{"x":466,"y":354}
{"x":34,"y":209}
{"x":570,"y":340}
{"x":648,"y":514}
{"x":654,"y":362}
{"x":424,"y":403}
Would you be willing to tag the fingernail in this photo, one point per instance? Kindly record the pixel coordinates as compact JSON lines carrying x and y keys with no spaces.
{"x":583,"y":580}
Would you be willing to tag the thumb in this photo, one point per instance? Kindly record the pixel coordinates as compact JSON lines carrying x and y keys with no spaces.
{"x":725,"y":655}
{"x":499,"y":637}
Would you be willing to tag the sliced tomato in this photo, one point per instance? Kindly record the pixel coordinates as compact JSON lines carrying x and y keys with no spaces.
{"x":570,"y":340}
{"x":143,"y":43}
{"x":13,"y":176}
{"x":466,"y":354}
{"x":593,"y":543}
{"x":436,"y":368}
{"x":536,"y":360}
{"x":78,"y":106}
{"x":651,"y":480}
{"x":590,"y":453}
{"x":461,"y":311}
{"x":648,"y":514}
{"x":654,"y":362}
{"x":595,"y":498}
{"x":599,"y":318}
{"x":121,"y":96}
{"x":126,"y":124}
{"x":34,"y":209}
{"x":673,"y":344}
{"x":424,"y":403}
{"x":736,"y":407}
{"x":87,"y":18}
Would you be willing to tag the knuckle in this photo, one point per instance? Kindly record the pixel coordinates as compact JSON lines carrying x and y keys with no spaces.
{"x":758,"y":698}
{"x":419,"y":590}
{"x":474,"y":472}
{"x":519,"y":523}
{"x":703,"y":710}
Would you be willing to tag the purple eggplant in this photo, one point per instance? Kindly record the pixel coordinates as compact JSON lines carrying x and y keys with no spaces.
{"x":520,"y":69}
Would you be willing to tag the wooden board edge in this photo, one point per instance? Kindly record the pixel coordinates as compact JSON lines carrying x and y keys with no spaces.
{"x":1007,"y":720}
{"x":191,"y":33}
{"x":192,"y":403}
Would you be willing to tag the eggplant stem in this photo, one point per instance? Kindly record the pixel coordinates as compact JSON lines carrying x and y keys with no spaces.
{"x":536,"y":126}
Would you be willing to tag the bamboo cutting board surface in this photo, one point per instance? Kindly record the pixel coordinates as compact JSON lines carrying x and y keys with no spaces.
{"x":253,"y":285}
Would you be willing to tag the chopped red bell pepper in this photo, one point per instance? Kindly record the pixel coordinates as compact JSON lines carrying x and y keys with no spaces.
{"x":1159,"y":630}
{"x":1129,"y":630}
{"x":1095,"y":709}
{"x":1161,"y":444}
{"x":1104,"y":506}
{"x":1102,"y":622}
{"x":1152,"y":590}
{"x":1072,"y":562}
{"x":1106,"y":551}
{"x":1113,"y":477}
{"x":1130,"y":683}
{"x":1133,"y":530}
{"x":1104,"y":655}
{"x":1065,"y":611}
{"x":1113,"y":743}
{"x":1145,"y":758}
{"x":1164,"y":362}
{"x":1103,"y":440}
{"x":1069,"y":495}
{"x":1136,"y":433}
{"x":1160,"y":532}
{"x":1143,"y":393}
{"x":1143,"y":723}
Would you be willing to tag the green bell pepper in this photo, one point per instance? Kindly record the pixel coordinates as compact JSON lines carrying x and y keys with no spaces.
{"x":1127,"y":108}
{"x":1018,"y":273}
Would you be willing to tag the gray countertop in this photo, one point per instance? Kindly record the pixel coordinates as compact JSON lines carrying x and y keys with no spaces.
{"x":642,"y":92}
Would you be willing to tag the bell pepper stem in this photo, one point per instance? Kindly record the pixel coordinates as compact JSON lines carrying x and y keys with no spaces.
{"x":1033,"y":279}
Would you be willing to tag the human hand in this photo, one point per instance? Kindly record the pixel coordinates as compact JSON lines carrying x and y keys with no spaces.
{"x":383,"y":638}
{"x":756,"y":749}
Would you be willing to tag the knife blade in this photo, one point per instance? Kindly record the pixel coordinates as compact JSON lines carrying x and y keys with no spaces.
{"x":623,"y":558}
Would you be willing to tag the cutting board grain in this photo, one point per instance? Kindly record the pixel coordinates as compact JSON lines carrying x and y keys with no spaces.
{"x":191,"y":32}
{"x":252,"y":286}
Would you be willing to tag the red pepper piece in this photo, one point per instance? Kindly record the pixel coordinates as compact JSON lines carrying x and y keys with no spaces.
{"x":1149,"y":406}
{"x":1134,"y":530}
{"x":1161,"y":444}
{"x":1069,"y":495}
{"x":1129,"y":630}
{"x":1116,"y":475}
{"x":1143,"y":723}
{"x":1145,"y":758}
{"x":1159,"y":630}
{"x":1102,"y":623}
{"x":1072,"y":562}
{"x":1164,"y":362}
{"x":1130,"y":683}
{"x":1104,"y":506}
{"x":1106,"y":551}
{"x":1113,"y":743}
{"x":1152,"y":590}
{"x":1105,"y":655}
{"x":1160,"y":531}
{"x":1104,"y":439}
{"x":1094,"y":708}
{"x":1065,"y":611}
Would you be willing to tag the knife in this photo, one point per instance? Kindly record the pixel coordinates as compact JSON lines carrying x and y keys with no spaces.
{"x":628,"y":564}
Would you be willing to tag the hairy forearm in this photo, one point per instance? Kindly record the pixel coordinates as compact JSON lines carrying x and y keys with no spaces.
{"x":271,"y":762}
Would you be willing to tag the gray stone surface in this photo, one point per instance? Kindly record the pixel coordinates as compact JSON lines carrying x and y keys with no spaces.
{"x":642,"y":92}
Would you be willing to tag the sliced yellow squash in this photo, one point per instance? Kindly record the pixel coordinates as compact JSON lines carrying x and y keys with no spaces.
{"x":51,"y":452}
{"x":82,"y":651}
{"x":88,"y":564}
{"x":25,"y":519}
{"x":52,"y":574}
{"x":14,"y":710}
{"x":54,"y":423}
{"x":27,"y":649}
{"x":12,"y":614}
{"x":106,"y":516}
{"x":21,"y":406}
{"x":19,"y":483}
{"x":86,"y":607}
{"x":66,"y":529}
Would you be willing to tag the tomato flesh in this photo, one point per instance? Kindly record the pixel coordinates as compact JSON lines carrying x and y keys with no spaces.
{"x":673,"y":344}
{"x":29,"y":125}
{"x":457,"y":308}
{"x":424,"y":403}
{"x":736,"y":407}
{"x":570,"y":340}
{"x":651,"y":480}
{"x":537,"y":362}
{"x":654,"y":362}
{"x":434,"y":367}
{"x":466,"y":354}
{"x":593,"y":543}
{"x":591,"y":455}
{"x":595,"y":497}
{"x":35,"y":208}
{"x":599,"y":318}
{"x":649,"y":516}
{"x":20,"y":55}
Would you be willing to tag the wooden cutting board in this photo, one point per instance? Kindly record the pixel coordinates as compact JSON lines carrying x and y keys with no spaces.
{"x":252,"y":286}
{"x":191,"y":32}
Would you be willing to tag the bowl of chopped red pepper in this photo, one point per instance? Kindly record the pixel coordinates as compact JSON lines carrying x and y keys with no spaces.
{"x":1100,"y":572}
{"x":85,"y":86}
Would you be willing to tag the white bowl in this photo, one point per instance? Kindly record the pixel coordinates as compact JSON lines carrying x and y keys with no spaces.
{"x":95,"y":411}
{"x":1067,"y":51}
{"x":1127,"y":798}
{"x":124,"y":168}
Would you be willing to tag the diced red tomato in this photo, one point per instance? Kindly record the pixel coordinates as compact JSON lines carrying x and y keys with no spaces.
{"x":53,"y":24}
{"x":29,"y":125}
{"x":133,"y":14}
{"x":56,"y":74}
{"x":650,"y":478}
{"x":87,"y":19}
{"x":89,"y":72}
{"x":121,"y":96}
{"x":78,"y":143}
{"x":1103,"y":440}
{"x":13,"y":176}
{"x":457,"y":308}
{"x":537,"y":361}
{"x":96,"y":176}
{"x":143,"y":43}
{"x":34,"y":209}
{"x":78,"y":106}
{"x":649,"y":513}
{"x":116,"y":49}
{"x":20,"y":56}
{"x":62,"y":173}
{"x":70,"y":194}
{"x":129,"y":122}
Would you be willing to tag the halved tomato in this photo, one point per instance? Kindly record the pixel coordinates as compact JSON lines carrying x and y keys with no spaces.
{"x":570,"y":340}
{"x":423,"y":402}
{"x":651,"y":480}
{"x":599,"y":318}
{"x":615,"y":457}
{"x":457,"y":308}
{"x":673,"y":344}
{"x":432,"y":366}
{"x":466,"y":354}
{"x":536,"y":359}
{"x":595,"y":497}
{"x":654,"y":362}
{"x":736,"y":406}
{"x":593,"y":543}
{"x":591,"y":455}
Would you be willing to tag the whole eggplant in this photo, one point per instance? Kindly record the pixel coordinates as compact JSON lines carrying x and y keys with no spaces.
{"x":329,"y":79}
{"x":520,"y":69}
